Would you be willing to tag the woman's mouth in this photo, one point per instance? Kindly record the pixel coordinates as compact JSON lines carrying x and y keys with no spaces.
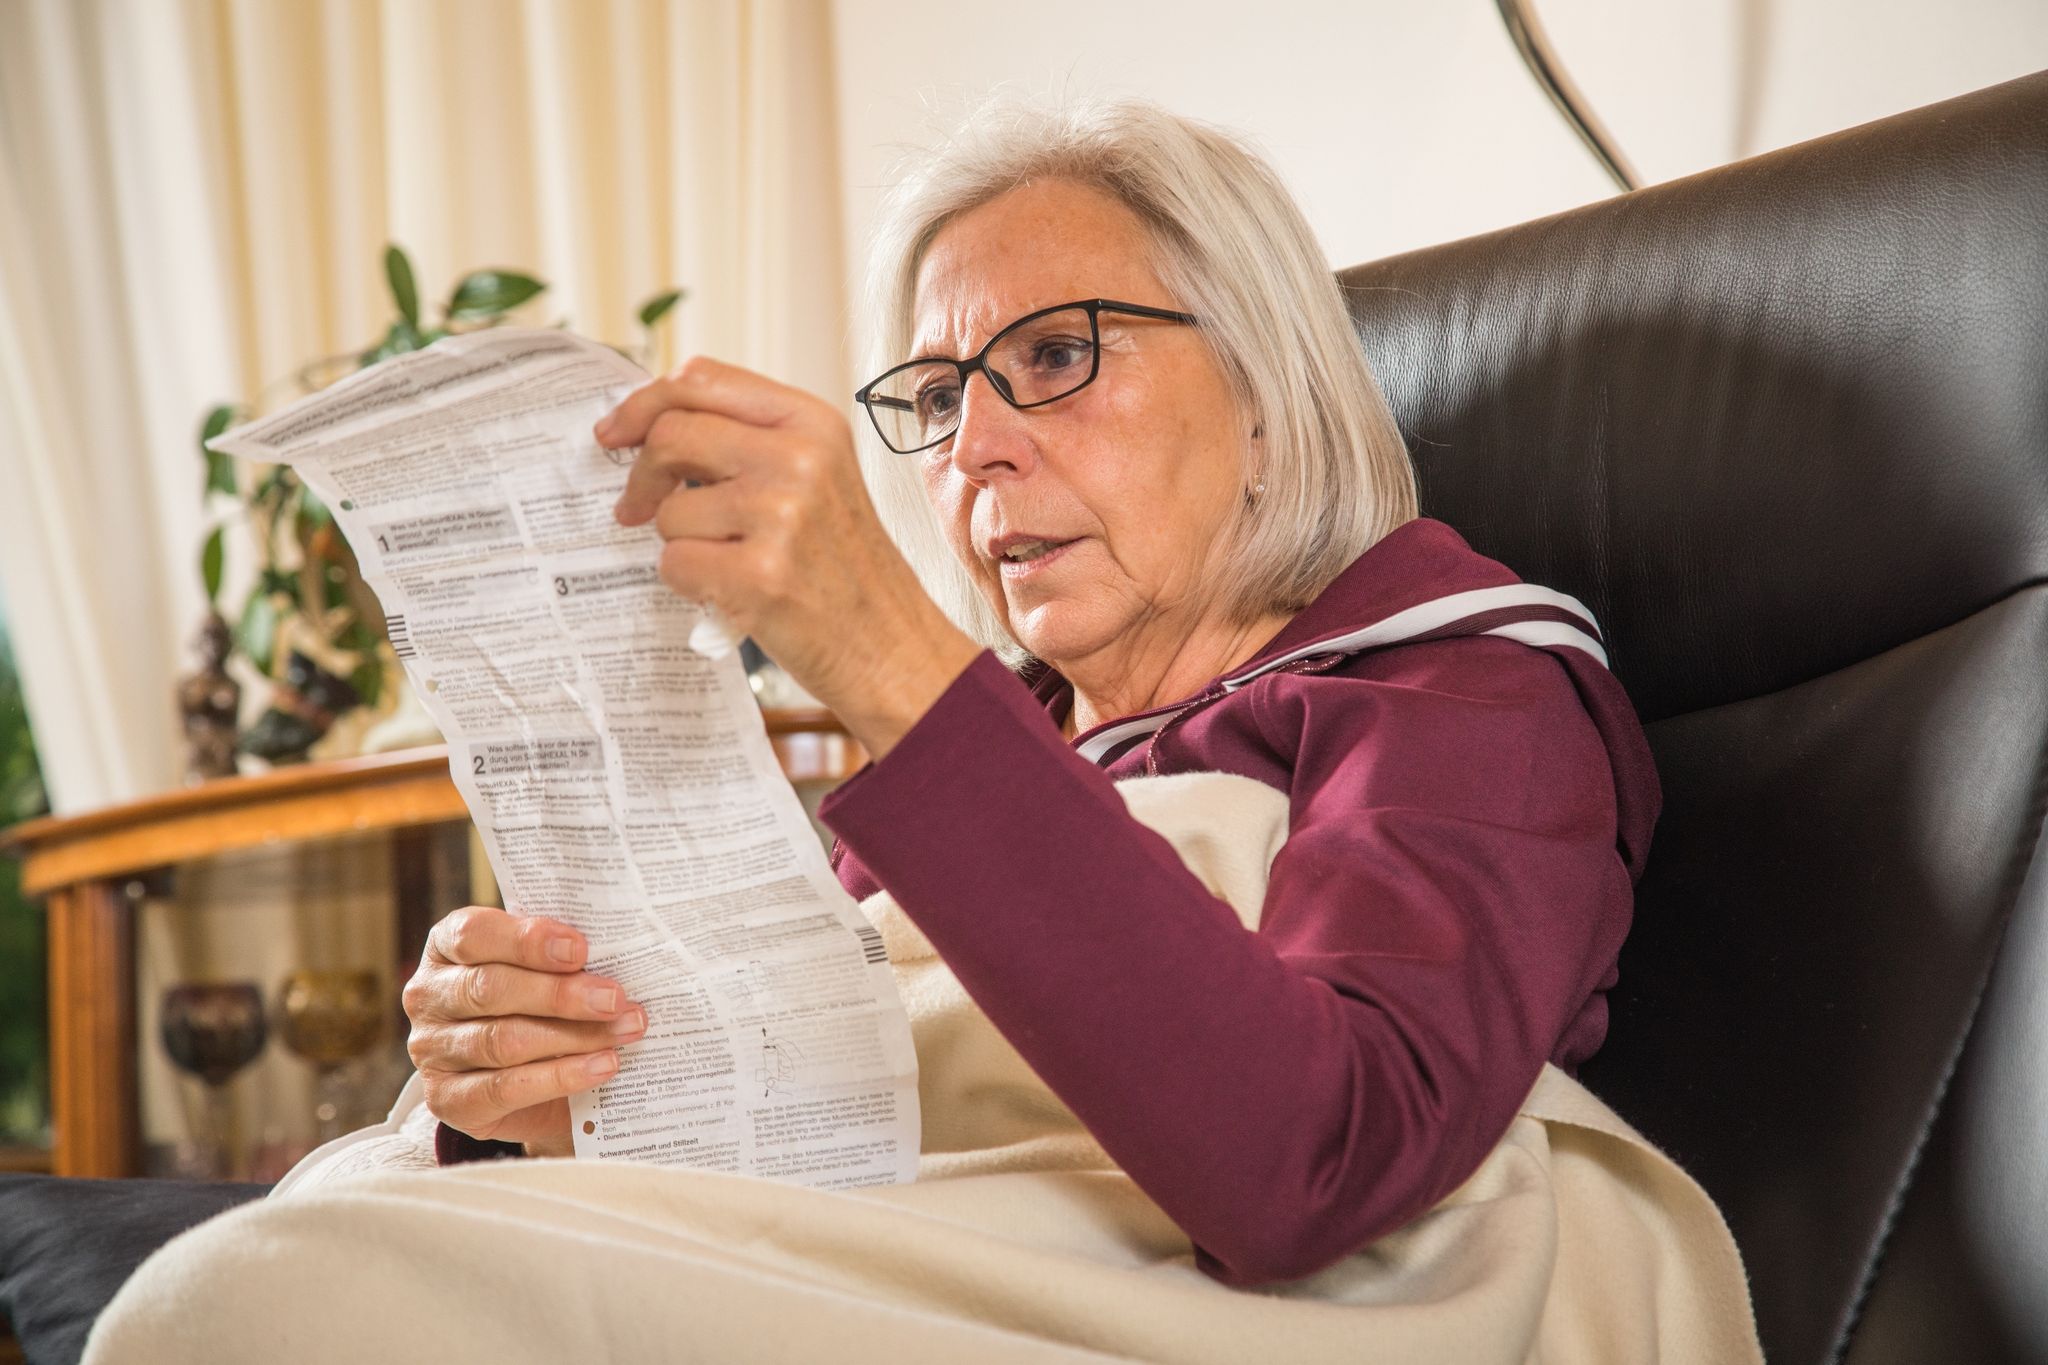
{"x":1031,"y":557}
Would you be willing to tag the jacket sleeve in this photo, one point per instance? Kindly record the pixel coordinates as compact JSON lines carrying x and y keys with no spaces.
{"x":1448,"y":897}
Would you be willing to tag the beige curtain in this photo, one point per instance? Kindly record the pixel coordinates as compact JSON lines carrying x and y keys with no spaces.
{"x":194,"y":200}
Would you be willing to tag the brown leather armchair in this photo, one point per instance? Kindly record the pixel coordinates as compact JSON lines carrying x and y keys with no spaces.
{"x":1783,"y":426}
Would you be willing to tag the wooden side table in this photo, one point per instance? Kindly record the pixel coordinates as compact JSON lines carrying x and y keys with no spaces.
{"x":79,"y":864}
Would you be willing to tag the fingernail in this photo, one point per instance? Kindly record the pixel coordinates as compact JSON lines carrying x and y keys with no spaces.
{"x":632,"y":1021}
{"x":603,"y":999}
{"x":600,"y":1064}
{"x":562,"y":948}
{"x":604,"y":428}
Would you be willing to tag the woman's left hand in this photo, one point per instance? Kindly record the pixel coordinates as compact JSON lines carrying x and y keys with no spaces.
{"x":783,"y":540}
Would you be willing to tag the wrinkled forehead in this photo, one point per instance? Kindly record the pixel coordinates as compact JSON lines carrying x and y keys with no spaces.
{"x":1044,"y":243}
{"x":957,"y":321}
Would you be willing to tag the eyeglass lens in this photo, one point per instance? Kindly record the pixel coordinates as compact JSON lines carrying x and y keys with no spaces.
{"x":1034,"y":361}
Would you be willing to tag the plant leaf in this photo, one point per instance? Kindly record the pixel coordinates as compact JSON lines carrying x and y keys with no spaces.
{"x":398,"y":270}
{"x":217,"y":421}
{"x":211,"y":558}
{"x":368,"y":680}
{"x":356,"y":636}
{"x":485,"y":293}
{"x":402,"y":337}
{"x":657,"y":308}
{"x":256,"y":632}
{"x":368,"y":677}
{"x":313,"y":513}
{"x":220,"y":469}
{"x":220,"y":474}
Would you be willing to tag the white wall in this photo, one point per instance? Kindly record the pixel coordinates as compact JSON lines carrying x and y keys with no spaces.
{"x":1779,"y":71}
{"x":1401,"y":123}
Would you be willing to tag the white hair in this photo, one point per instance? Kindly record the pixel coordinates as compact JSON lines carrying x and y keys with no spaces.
{"x":1234,"y":249}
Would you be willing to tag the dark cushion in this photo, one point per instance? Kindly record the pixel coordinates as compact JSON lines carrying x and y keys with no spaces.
{"x":67,"y":1245}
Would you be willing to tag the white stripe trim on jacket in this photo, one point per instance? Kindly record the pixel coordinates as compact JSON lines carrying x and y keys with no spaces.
{"x":1402,"y":625}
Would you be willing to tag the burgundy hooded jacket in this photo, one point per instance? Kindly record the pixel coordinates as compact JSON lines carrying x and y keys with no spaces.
{"x":1471,"y":800}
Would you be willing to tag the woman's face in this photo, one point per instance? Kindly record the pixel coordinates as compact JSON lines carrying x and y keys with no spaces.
{"x":1136,"y":478}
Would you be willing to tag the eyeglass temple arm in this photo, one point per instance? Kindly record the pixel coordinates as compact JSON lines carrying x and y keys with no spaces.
{"x":1142,"y":310}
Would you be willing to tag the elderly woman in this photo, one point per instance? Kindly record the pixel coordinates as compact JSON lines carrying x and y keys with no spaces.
{"x":1134,"y":509}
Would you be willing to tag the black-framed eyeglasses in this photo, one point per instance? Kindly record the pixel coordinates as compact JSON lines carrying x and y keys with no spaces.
{"x":1038,"y":359}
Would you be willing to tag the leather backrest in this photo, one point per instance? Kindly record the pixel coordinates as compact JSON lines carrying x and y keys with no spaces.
{"x":1783,"y":426}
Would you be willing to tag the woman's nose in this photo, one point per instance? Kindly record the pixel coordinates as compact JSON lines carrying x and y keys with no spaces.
{"x":993,"y":438}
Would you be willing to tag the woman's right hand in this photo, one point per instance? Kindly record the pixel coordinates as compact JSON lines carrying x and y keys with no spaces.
{"x":506,"y":1025}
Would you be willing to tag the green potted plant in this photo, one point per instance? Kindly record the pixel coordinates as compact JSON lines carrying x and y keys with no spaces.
{"x":307,"y":624}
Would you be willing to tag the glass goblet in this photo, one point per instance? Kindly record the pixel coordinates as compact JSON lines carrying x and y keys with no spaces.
{"x":330,"y":1018}
{"x":212,"y":1029}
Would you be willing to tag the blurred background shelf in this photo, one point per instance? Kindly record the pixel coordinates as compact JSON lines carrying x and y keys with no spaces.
{"x":93,"y":871}
{"x":34,"y":1160}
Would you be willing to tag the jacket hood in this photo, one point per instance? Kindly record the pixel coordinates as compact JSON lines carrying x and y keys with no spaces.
{"x":1422,"y":581}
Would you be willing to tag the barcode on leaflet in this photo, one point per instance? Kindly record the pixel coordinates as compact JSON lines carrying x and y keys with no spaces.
{"x":401,"y":638}
{"x":871,"y":944}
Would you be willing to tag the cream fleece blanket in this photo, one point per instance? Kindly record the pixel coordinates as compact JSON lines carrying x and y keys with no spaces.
{"x":1575,"y":1241}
